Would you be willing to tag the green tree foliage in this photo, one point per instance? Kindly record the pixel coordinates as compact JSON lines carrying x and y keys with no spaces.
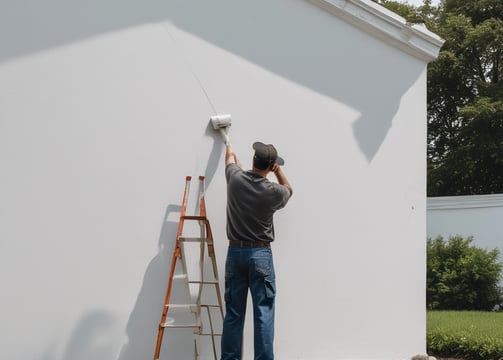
{"x":461,"y":276}
{"x":465,"y":94}
{"x":465,"y":100}
{"x":403,"y":9}
{"x":477,"y":10}
{"x":426,"y":14}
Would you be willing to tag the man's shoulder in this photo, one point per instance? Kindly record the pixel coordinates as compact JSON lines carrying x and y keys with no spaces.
{"x":232,"y":169}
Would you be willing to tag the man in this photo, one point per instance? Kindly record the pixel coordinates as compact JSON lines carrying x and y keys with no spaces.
{"x":251,"y":202}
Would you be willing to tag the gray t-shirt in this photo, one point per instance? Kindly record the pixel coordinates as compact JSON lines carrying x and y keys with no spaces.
{"x":251,"y":203}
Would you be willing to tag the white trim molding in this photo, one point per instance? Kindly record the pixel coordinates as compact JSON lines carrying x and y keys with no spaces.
{"x":414,"y":39}
{"x":464,"y":202}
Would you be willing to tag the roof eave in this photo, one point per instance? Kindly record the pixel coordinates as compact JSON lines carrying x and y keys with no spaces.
{"x":414,"y":39}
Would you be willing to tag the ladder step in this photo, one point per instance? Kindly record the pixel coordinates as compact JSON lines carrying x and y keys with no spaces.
{"x":192,"y":239}
{"x":182,"y":307}
{"x":193,"y":217}
{"x":214,"y":282}
{"x":180,"y":276}
{"x":188,"y":307}
{"x":172,"y":325}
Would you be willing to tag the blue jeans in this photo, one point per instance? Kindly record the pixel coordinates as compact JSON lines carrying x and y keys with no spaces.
{"x":249,"y":268}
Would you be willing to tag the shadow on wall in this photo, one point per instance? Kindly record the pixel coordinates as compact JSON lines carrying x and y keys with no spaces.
{"x":216,"y":154}
{"x":143,"y":322}
{"x":319,"y":57}
{"x":89,"y":340}
{"x":92,"y":338}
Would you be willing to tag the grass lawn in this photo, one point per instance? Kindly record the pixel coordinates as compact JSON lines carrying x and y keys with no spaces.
{"x":469,"y":335}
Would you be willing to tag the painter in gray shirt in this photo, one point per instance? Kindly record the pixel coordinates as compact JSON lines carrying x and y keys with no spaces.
{"x":252,"y":200}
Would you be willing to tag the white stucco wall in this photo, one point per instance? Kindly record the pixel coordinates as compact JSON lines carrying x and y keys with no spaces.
{"x":103,"y":112}
{"x":478,"y":216}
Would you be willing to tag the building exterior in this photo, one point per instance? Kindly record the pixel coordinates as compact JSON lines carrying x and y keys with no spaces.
{"x":104,"y":110}
{"x":478,"y":216}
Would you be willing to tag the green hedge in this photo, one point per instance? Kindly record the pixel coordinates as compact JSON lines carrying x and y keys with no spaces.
{"x":462,"y":276}
{"x":469,"y":335}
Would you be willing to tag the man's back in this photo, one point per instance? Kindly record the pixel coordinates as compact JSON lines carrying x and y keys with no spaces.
{"x":251,"y":202}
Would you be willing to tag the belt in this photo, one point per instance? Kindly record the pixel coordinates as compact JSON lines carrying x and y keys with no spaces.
{"x":249,"y":243}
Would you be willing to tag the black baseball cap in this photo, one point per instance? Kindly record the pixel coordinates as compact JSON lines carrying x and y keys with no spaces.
{"x":267,"y":152}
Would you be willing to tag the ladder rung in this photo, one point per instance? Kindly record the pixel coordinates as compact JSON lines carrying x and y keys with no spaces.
{"x":192,"y":239}
{"x":194,"y":217}
{"x":170,"y":325}
{"x":180,"y":276}
{"x":182,"y":307}
{"x":204,"y":282}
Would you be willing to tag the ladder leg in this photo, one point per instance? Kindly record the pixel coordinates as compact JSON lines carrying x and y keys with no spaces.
{"x":211,"y":254}
{"x":196,"y":348}
{"x":199,"y":330}
{"x":176,"y":255}
{"x":165,"y":308}
{"x":212,"y":332}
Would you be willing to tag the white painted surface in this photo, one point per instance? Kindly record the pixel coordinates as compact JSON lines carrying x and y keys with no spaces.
{"x":478,"y":216}
{"x":103,"y":114}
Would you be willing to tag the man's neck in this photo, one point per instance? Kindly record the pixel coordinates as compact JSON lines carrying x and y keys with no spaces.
{"x":260,"y":172}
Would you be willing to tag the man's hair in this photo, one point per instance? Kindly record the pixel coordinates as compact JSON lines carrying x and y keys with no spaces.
{"x":261,"y":163}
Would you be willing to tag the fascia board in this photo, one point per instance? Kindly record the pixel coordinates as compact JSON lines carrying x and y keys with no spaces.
{"x":414,"y":39}
{"x":465,"y":202}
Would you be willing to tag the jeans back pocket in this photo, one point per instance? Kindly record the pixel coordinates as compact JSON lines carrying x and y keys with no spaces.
{"x":263,"y":266}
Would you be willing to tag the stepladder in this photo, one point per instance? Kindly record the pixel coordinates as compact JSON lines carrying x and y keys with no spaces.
{"x":193,"y":303}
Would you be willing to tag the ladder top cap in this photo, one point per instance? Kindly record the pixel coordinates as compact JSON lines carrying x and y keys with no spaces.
{"x":188,"y":178}
{"x":201,"y":177}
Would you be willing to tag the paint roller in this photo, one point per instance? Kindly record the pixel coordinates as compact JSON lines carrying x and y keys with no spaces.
{"x":221,"y":123}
